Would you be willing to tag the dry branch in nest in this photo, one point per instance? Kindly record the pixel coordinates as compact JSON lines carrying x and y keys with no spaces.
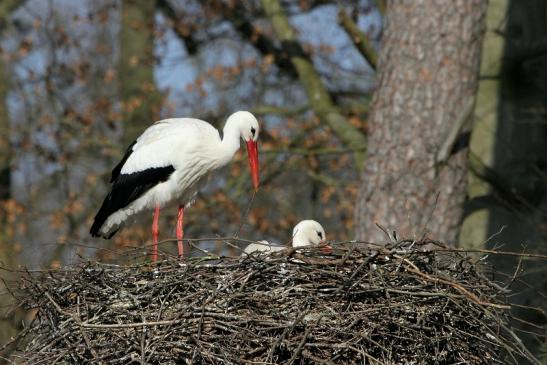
{"x":394,"y":305}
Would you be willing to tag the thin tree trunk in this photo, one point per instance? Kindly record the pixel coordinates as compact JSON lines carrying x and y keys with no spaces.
{"x":508,"y":178}
{"x":415,"y":176}
{"x":474,"y":231}
{"x":8,"y":321}
{"x":140,"y":99}
{"x":5,"y":144}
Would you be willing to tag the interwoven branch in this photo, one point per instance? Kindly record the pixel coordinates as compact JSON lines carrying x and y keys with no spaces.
{"x":392,"y":304}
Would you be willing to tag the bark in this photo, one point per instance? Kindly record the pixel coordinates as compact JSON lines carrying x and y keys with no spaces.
{"x":318,"y":96}
{"x":428,"y":73}
{"x":140,"y":99}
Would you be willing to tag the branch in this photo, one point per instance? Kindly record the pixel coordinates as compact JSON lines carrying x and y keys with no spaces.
{"x":318,"y":96}
{"x":279,"y":110}
{"x":505,"y":193}
{"x":381,"y":6}
{"x":310,"y":151}
{"x":107,"y":326}
{"x":6,"y":8}
{"x":525,"y":51}
{"x":237,"y":14}
{"x":181,"y":32}
{"x":360,"y":41}
{"x":472,"y":297}
{"x":444,"y":151}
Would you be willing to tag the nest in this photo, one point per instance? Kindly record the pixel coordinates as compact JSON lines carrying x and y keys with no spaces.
{"x":391,"y":305}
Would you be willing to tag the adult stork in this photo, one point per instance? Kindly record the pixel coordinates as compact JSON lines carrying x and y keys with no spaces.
{"x":167,"y":165}
{"x":307,"y":233}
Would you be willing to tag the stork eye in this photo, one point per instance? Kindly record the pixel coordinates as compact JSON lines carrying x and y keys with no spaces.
{"x":320,"y":234}
{"x":253,"y":131}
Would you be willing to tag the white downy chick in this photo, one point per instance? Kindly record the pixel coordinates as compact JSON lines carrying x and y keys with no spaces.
{"x":307,"y":233}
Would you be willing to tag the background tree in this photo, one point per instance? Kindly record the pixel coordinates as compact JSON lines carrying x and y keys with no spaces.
{"x":416,"y":168}
{"x":507,"y":207}
{"x":8,"y":322}
{"x":139,"y":97}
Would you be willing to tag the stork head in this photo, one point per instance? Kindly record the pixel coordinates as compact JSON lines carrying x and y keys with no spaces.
{"x":246,"y":124}
{"x":308,"y":233}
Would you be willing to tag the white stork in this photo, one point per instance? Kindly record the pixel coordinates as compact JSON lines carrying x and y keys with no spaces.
{"x":167,"y":165}
{"x":307,"y":233}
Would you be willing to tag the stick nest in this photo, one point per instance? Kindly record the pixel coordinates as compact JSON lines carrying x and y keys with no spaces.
{"x":391,"y":305}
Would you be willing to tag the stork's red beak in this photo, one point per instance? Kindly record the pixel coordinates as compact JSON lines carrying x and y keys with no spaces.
{"x":252,"y":151}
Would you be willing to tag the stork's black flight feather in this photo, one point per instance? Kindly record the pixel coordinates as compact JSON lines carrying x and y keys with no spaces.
{"x":126,"y":188}
{"x":116,"y":170}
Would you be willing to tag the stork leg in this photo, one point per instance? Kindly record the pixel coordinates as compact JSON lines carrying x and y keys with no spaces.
{"x":180,"y":232}
{"x":155,"y":233}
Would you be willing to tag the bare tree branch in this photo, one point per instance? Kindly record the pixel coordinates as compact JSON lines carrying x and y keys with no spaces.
{"x":319,"y":98}
{"x":381,"y":6}
{"x":237,"y":14}
{"x":182,"y":32}
{"x":360,"y":40}
{"x":6,"y":8}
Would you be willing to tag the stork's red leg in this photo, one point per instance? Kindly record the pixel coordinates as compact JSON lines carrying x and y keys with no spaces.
{"x":180,"y":232}
{"x":155,"y":233}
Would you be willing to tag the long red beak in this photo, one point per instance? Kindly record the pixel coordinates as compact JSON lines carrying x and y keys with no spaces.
{"x":252,"y":151}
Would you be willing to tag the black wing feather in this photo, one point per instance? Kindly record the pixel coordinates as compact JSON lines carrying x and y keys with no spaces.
{"x":126,"y":188}
{"x":116,"y":170}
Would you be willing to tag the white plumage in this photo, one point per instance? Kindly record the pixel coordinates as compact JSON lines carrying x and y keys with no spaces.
{"x":307,"y":233}
{"x":168,"y":164}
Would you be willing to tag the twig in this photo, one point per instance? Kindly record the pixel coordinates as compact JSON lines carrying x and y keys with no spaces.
{"x":457,"y":286}
{"x":266,"y":309}
{"x":302,"y":342}
{"x":446,"y":147}
{"x":245,"y":214}
{"x":84,"y":335}
{"x":359,"y":39}
{"x":388,"y":235}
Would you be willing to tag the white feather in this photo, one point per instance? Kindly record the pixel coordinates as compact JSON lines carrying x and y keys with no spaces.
{"x":193,"y":147}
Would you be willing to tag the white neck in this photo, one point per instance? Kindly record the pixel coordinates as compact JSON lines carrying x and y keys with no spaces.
{"x":229,"y":144}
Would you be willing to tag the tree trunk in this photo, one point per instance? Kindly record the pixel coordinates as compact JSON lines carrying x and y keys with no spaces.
{"x":140,"y":99}
{"x":508,"y":178}
{"x":474,"y":231}
{"x":415,"y":176}
{"x":5,"y":144}
{"x":9,"y":322}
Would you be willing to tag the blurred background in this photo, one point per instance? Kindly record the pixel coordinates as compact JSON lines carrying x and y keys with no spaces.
{"x":348,"y":94}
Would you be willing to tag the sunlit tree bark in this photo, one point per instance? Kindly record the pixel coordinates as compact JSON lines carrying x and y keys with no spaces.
{"x":414,"y":180}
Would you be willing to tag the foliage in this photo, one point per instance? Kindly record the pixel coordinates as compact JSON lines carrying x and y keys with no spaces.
{"x":80,"y":92}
